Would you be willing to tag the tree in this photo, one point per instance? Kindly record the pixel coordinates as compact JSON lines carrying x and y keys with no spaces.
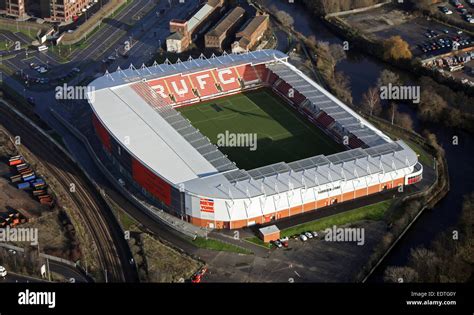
{"x":426,"y":263}
{"x":396,"y":48}
{"x":431,"y":106}
{"x":285,"y":19}
{"x":386,"y":77}
{"x":337,"y":52}
{"x":405,"y":121}
{"x":371,"y":102}
{"x":400,"y":274}
{"x":342,"y":87}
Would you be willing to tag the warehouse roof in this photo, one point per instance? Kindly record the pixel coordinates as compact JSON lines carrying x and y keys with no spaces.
{"x":200,"y":15}
{"x":227,"y":22}
{"x":252,"y":26}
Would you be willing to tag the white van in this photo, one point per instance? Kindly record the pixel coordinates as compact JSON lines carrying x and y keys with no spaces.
{"x":42,"y":48}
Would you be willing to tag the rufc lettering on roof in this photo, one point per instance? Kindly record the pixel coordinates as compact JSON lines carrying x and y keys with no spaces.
{"x":182,"y":84}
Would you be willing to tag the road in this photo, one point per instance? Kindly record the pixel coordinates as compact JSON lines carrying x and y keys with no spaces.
{"x":112,"y":249}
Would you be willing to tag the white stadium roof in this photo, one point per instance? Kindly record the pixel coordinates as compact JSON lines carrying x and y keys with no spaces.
{"x":172,"y":148}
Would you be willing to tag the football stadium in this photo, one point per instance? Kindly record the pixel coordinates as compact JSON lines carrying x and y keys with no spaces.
{"x":163,"y":128}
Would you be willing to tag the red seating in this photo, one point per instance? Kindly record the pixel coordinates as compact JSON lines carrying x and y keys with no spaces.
{"x":181,"y":88}
{"x":324,"y":120}
{"x":299,"y":98}
{"x":153,"y":99}
{"x":262,"y":71}
{"x":355,"y":142}
{"x":204,"y":82}
{"x":160,"y":88}
{"x":283,"y":88}
{"x":227,"y":79}
{"x":271,"y":78}
{"x":247,"y":73}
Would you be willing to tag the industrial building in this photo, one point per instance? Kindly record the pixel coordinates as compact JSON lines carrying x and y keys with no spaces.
{"x":251,"y":33}
{"x":14,"y":8}
{"x":49,"y":10}
{"x":182,"y":31}
{"x":180,"y":171}
{"x":216,"y":36}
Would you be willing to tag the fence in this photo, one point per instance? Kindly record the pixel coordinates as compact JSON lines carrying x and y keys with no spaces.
{"x":42,"y":255}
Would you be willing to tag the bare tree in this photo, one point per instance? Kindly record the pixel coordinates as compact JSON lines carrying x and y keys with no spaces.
{"x":400,"y":274}
{"x":386,"y":77}
{"x":371,"y":102}
{"x":285,"y":19}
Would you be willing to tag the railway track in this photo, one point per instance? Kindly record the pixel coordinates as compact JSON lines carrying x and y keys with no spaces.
{"x":112,"y":249}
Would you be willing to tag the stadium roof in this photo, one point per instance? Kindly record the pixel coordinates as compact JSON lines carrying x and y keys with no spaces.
{"x":344,"y":116}
{"x":132,"y":74}
{"x":160,"y":138}
{"x":308,"y":173}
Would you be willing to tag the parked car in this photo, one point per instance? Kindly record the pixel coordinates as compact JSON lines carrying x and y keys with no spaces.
{"x":3,"y":272}
{"x":284,"y":239}
{"x":303,"y":238}
{"x":285,"y":243}
{"x":315,"y":234}
{"x":308,"y":234}
{"x":445,"y":10}
{"x":277,"y":243}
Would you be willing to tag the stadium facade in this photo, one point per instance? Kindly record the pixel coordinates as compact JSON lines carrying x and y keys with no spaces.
{"x":176,"y":167}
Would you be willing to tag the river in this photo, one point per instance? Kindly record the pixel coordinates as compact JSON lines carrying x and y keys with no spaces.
{"x":363,"y":72}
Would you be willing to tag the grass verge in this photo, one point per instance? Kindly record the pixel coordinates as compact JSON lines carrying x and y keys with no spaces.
{"x":257,"y":241}
{"x":373,"y":212}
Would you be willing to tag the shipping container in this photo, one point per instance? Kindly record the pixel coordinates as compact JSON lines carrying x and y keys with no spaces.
{"x":38,"y":193}
{"x":21,"y":166}
{"x":15,"y":162}
{"x":27,"y":175}
{"x":23,"y":185}
{"x":25,"y":171}
{"x":29,"y":178}
{"x":39,"y":186}
{"x":38,"y":181}
{"x":15,"y":178}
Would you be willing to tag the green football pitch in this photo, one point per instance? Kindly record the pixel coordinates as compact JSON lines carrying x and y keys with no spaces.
{"x":281,"y":133}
